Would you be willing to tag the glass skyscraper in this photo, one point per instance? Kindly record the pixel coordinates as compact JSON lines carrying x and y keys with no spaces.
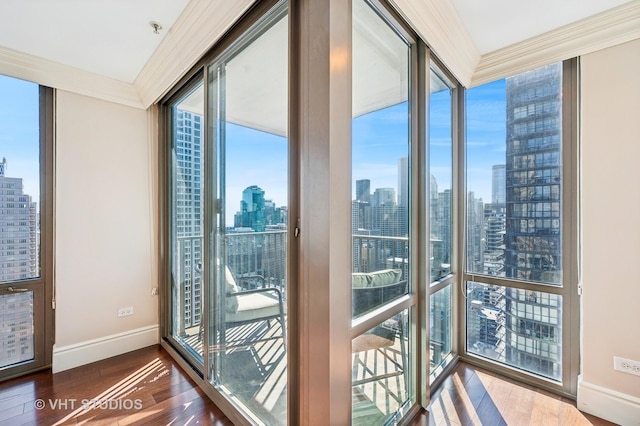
{"x":19,"y":239}
{"x":533,"y":238}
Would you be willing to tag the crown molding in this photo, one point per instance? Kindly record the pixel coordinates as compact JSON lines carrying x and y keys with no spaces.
{"x":438,"y":23}
{"x":199,"y":27}
{"x":64,"y":77}
{"x":606,"y":29}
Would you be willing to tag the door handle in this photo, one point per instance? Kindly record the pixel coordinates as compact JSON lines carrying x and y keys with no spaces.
{"x":17,"y":290}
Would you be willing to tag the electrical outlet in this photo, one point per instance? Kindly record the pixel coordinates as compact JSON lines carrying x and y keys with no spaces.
{"x":626,"y":365}
{"x":123,"y":312}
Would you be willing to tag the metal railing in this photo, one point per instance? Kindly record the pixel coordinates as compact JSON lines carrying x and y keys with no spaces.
{"x":264,"y":254}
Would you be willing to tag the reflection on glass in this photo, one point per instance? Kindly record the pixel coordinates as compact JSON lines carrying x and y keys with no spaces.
{"x":521,"y":328}
{"x":187,"y":121}
{"x":16,"y":328}
{"x":441,"y":169}
{"x":380,"y":371}
{"x":380,"y":135}
{"x":514,"y":177}
{"x":247,"y":334}
{"x":440,"y":329}
{"x":19,"y":180}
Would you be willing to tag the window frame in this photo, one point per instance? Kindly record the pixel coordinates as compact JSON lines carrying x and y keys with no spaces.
{"x":570,"y":289}
{"x":43,"y":286}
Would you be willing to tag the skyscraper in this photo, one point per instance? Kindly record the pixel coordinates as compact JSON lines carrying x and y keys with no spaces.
{"x":363,"y":190}
{"x":188,"y":226}
{"x":18,"y":240}
{"x":533,"y":240}
{"x":384,"y":197}
{"x":498,"y":184}
{"x":403,"y":182}
{"x":252,"y":209}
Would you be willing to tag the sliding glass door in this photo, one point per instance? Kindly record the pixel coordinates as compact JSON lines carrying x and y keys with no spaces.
{"x":228,"y":219}
{"x":187,"y":216}
{"x":247,"y":258}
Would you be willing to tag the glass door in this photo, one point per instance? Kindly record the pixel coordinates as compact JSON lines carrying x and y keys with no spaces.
{"x":247,"y":177}
{"x":186,"y":222}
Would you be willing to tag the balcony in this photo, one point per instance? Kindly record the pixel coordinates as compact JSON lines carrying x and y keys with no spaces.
{"x":253,"y":358}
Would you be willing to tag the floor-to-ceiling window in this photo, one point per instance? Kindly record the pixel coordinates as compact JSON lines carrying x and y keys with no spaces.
{"x":26,"y":226}
{"x":227,"y":219}
{"x":440,"y":157}
{"x":520,"y":224}
{"x":381,"y":220}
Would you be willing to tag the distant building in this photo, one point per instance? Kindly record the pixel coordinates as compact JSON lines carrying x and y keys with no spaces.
{"x":498,"y":184}
{"x":533,"y":240}
{"x":19,"y":257}
{"x":363,"y":190}
{"x":403,"y":182}
{"x":384,"y":197}
{"x":252,"y":209}
{"x":188,"y":214}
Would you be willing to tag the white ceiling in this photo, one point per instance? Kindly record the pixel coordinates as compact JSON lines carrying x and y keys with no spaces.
{"x":113,"y":38}
{"x":494,"y":24}
{"x":107,"y":37}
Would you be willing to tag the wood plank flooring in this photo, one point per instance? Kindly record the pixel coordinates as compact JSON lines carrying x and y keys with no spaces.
{"x":144,"y":387}
{"x":149,"y":388}
{"x":473,"y":396}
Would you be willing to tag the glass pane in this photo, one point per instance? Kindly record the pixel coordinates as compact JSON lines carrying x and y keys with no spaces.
{"x":186,"y":219}
{"x":521,"y":328}
{"x":440,"y":329}
{"x":380,"y":139}
{"x":514,"y":177}
{"x":16,"y":328}
{"x":249,"y":101}
{"x":380,"y":372}
{"x":441,"y":170}
{"x":19,"y":180}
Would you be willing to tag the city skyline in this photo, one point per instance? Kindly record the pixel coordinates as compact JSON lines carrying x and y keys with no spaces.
{"x":19,"y":132}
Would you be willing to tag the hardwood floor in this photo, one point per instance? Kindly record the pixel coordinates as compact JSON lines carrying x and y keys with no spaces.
{"x":473,"y":396}
{"x":146,"y":387}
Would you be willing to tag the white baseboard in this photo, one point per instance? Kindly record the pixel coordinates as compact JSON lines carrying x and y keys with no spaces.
{"x":608,"y":404}
{"x":89,"y":351}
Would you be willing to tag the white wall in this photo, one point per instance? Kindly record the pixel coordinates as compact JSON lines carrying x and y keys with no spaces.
{"x":105,"y":231}
{"x":610,"y":141}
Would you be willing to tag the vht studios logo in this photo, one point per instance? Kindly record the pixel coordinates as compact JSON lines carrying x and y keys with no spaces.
{"x":88,"y":404}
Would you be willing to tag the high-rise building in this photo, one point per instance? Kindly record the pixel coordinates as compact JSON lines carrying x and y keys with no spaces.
{"x":18,"y":240}
{"x":403,"y":183}
{"x":384,"y":197}
{"x":252,"y":209}
{"x":533,"y":240}
{"x":363,"y":190}
{"x":498,"y":184}
{"x":188,"y":199}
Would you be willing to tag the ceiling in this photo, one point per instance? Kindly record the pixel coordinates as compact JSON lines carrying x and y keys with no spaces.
{"x":114,"y":38}
{"x":494,"y":24}
{"x":107,"y":37}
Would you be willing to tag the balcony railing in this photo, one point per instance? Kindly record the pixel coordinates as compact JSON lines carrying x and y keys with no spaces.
{"x":248,"y":254}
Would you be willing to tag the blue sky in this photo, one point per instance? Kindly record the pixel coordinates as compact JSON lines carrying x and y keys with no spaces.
{"x":19,"y":132}
{"x":486,"y":135}
{"x":380,"y":138}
